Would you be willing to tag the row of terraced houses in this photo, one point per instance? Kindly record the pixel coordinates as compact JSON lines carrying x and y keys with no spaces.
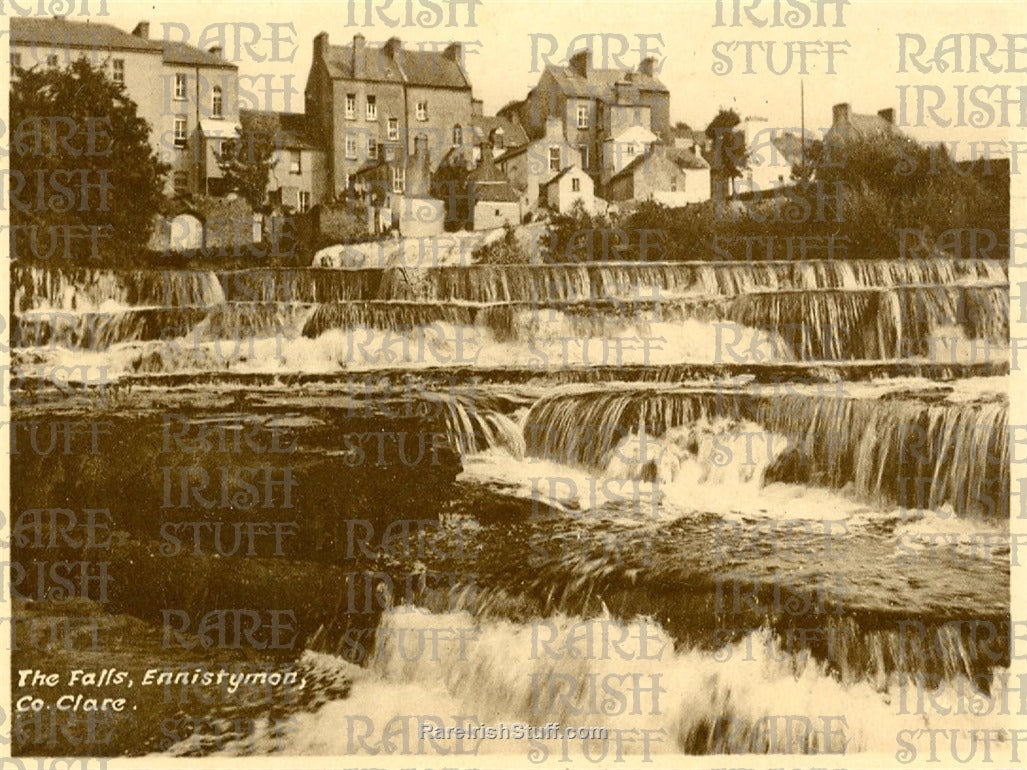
{"x":384,"y":125}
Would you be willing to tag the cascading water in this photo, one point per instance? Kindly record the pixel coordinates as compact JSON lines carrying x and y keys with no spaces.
{"x":759,"y":463}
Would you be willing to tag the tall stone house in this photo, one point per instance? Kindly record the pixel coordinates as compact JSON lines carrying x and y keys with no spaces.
{"x":369,"y":103}
{"x":188,"y":96}
{"x":596,"y":106}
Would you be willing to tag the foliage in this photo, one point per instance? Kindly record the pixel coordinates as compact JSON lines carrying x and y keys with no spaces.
{"x":81,"y":158}
{"x":506,"y":251}
{"x":728,"y":155}
{"x":246,"y":163}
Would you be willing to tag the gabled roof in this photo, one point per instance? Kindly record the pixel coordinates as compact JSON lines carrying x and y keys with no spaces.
{"x":789,"y":145}
{"x":564,"y":173}
{"x":861,"y":126}
{"x":61,"y":33}
{"x":180,"y":53}
{"x":680,"y":157}
{"x":635,"y":133}
{"x":412,"y":67}
{"x":288,"y":128}
{"x":600,"y":82}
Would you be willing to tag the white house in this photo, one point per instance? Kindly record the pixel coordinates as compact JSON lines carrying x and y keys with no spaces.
{"x":629,"y":144}
{"x":570,"y":185}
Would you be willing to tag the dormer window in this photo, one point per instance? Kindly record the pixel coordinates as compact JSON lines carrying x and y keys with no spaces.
{"x":497,"y":138}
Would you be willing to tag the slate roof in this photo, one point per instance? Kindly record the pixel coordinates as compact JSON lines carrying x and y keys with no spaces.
{"x":60,"y":33}
{"x":411,"y":66}
{"x":497,"y":192}
{"x":860,"y":126}
{"x":288,"y":128}
{"x":680,"y":157}
{"x":600,"y":82}
{"x":513,"y":133}
{"x":180,"y":53}
{"x":34,"y":30}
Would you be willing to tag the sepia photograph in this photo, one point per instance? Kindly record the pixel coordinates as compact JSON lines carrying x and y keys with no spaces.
{"x":485,"y":383}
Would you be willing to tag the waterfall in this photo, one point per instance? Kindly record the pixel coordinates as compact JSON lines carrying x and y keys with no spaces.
{"x":84,"y":289}
{"x":874,"y":324}
{"x":884,"y":448}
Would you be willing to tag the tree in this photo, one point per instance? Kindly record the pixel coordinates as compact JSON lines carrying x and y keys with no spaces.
{"x":246,"y":162}
{"x":728,"y":155}
{"x":81,"y":161}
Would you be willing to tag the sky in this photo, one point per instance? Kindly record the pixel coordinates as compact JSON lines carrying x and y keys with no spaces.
{"x":503,"y":42}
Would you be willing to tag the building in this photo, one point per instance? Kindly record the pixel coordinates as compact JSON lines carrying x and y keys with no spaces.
{"x":847,"y":125}
{"x":188,"y":96}
{"x":771,"y":154}
{"x":572,"y":185}
{"x":500,"y":132}
{"x":367,"y":103}
{"x":493,"y":200}
{"x":297,"y":179}
{"x":530,"y":166}
{"x":624,"y":148}
{"x":595,"y":104}
{"x":673,"y":176}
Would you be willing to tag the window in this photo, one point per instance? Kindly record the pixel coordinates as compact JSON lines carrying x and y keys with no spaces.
{"x":304,"y":201}
{"x":390,"y":153}
{"x":351,"y":147}
{"x":181,"y":182}
{"x":674,"y":185}
{"x":118,"y":70}
{"x":422,"y":110}
{"x":393,"y":129}
{"x":51,"y":60}
{"x":295,"y":162}
{"x":458,"y":135}
{"x":181,"y":134}
{"x":16,"y":60}
{"x":179,"y":86}
{"x":372,"y":148}
{"x":575,"y":185}
{"x":372,"y":108}
{"x":216,"y":103}
{"x":351,"y":106}
{"x":497,"y":138}
{"x":629,"y":149}
{"x":582,"y":116}
{"x":399,"y":178}
{"x":554,"y":158}
{"x":583,"y":149}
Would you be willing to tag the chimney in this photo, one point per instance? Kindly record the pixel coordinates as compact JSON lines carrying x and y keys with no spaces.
{"x":486,"y":163}
{"x":554,"y":128}
{"x":477,"y":107}
{"x":418,"y":172}
{"x":888,"y":114}
{"x":142,"y":30}
{"x":581,"y":62}
{"x":647,"y":66}
{"x":216,"y":50}
{"x":392,"y":47}
{"x":840,"y":113}
{"x":320,"y":45}
{"x":358,"y":55}
{"x":454,"y":52}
